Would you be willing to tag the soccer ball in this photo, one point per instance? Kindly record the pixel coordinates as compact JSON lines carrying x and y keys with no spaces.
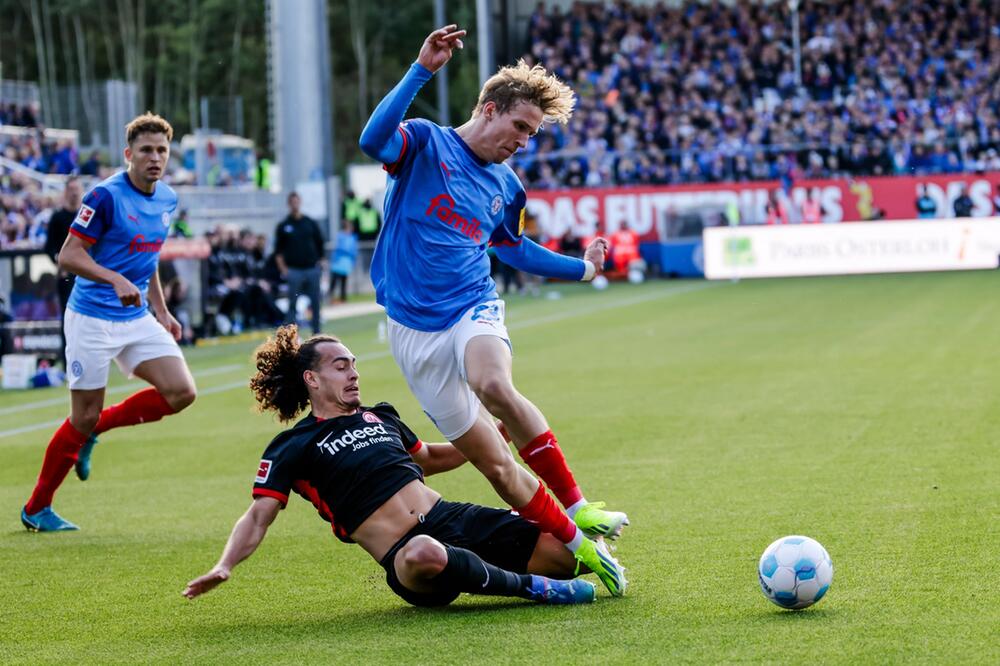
{"x":795,"y":572}
{"x":600,"y":283}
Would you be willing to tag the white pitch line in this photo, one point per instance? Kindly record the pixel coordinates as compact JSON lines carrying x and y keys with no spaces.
{"x":620,"y":303}
{"x":125,"y":388}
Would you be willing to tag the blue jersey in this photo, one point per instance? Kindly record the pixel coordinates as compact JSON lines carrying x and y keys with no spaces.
{"x":127,"y":228}
{"x":443,"y":205}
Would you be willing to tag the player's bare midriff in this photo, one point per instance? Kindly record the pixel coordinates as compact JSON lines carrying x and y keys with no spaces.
{"x":395,"y":518}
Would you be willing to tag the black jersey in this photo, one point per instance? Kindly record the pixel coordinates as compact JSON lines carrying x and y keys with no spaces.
{"x":347,"y":466}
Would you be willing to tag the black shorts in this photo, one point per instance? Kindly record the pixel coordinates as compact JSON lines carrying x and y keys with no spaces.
{"x":496,"y":535}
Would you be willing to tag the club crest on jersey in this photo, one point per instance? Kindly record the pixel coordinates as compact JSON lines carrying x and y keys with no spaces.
{"x":263,"y":471}
{"x":443,"y":208}
{"x":496,"y":205}
{"x":166,"y":219}
{"x":85,"y":215}
{"x":371,"y":418}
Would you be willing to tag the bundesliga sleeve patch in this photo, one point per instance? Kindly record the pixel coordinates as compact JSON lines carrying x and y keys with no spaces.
{"x":263,"y":471}
{"x":85,"y":215}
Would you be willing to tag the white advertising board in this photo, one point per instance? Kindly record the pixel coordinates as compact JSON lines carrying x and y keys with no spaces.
{"x":853,"y":247}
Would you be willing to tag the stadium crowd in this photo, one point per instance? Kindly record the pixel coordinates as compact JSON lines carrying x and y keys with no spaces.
{"x":708,"y":93}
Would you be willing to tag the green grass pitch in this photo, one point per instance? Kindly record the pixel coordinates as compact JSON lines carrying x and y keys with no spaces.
{"x":861,"y":411}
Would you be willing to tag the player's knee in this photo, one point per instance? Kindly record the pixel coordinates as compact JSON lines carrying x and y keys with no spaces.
{"x":500,"y":472}
{"x":496,"y":393}
{"x":85,"y":420}
{"x":182,"y":398}
{"x":424,"y":557}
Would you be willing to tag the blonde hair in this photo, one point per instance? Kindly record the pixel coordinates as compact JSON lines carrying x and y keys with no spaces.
{"x":531,"y":84}
{"x":147,"y":123}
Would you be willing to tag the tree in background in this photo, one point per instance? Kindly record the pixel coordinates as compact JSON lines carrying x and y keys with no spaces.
{"x":177,"y":51}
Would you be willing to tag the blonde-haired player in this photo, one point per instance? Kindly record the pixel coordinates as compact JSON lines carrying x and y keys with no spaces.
{"x":449,"y":196}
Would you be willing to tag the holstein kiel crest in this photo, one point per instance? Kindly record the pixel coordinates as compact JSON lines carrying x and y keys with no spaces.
{"x":496,"y":205}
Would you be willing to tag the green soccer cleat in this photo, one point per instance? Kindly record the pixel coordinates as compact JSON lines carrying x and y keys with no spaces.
{"x":83,"y":458}
{"x":596,"y":557}
{"x":594,"y":521}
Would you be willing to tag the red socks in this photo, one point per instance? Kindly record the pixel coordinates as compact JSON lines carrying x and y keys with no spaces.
{"x":546,"y":460}
{"x":60,"y":456}
{"x":64,"y":447}
{"x":143,"y":407}
{"x":544,"y":512}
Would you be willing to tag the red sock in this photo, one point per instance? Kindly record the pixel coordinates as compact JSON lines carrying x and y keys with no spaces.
{"x":143,"y":407}
{"x":60,"y":456}
{"x":546,"y":460}
{"x":544,"y":512}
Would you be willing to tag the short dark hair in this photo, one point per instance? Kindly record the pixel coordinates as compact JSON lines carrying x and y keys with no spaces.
{"x":147,"y":123}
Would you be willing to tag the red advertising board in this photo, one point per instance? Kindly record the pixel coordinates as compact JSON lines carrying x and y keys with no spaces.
{"x":645,"y":209}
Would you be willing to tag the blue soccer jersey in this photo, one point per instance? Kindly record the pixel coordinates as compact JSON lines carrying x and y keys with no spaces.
{"x":443,"y":205}
{"x":127,"y":228}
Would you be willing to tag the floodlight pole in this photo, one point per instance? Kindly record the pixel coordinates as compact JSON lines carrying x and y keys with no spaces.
{"x":796,"y":46}
{"x":444,"y":118}
{"x":484,"y":31}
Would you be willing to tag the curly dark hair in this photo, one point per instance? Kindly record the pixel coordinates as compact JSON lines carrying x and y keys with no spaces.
{"x":278,"y":385}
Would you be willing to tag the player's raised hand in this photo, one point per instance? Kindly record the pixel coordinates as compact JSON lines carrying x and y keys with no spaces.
{"x":597,"y":253}
{"x":437,"y":48}
{"x":127,"y":292}
{"x":206,"y":583}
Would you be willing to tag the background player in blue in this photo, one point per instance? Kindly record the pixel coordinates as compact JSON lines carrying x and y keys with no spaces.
{"x":449,"y":196}
{"x":116,"y":312}
{"x":362,"y":469}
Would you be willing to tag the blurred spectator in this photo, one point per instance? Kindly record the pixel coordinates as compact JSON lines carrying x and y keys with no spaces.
{"x":342,"y":260}
{"x":812,"y":212}
{"x":963,"y":203}
{"x":92,"y":166}
{"x":775,"y":209}
{"x":59,"y":224}
{"x":624,"y":248}
{"x":368,"y":221}
{"x":180,"y":227}
{"x":926,"y":208}
{"x":21,"y":115}
{"x":299,"y":251}
{"x":702,"y":92}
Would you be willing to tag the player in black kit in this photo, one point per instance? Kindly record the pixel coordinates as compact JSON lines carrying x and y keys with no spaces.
{"x":363,"y":470}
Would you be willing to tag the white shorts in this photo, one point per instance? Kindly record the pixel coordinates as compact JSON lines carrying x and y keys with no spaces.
{"x":434,"y":365}
{"x":92,"y":343}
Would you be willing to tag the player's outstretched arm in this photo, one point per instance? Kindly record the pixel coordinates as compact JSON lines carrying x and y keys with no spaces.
{"x":437,"y":458}
{"x":530,"y":257}
{"x":247,"y":534}
{"x":379,"y":139}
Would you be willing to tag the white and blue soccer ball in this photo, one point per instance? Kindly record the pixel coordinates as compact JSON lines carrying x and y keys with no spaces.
{"x":795,"y":572}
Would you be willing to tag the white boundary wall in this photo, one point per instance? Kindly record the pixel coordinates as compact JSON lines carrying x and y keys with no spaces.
{"x":852,"y":247}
